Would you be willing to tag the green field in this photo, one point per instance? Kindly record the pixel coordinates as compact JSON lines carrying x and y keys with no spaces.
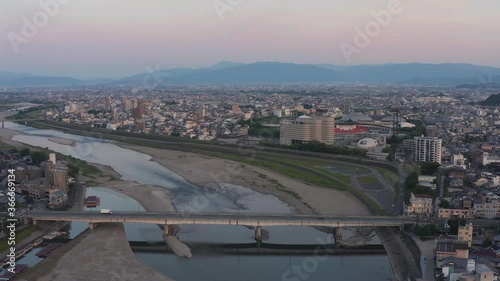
{"x":80,"y":166}
{"x":367,"y":180}
{"x":409,"y":168}
{"x":389,"y":176}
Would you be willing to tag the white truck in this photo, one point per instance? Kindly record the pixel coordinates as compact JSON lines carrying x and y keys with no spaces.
{"x":106,"y":211}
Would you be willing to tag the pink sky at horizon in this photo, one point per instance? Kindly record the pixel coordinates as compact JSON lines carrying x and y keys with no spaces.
{"x":114,"y":38}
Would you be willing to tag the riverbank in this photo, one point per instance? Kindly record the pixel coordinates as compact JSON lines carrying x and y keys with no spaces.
{"x":205,"y":171}
{"x":55,"y":267}
{"x":6,"y":137}
{"x":328,"y":203}
{"x":152,"y":198}
{"x":101,"y":254}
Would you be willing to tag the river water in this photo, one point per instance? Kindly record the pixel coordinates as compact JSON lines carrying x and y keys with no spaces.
{"x":136,"y":166}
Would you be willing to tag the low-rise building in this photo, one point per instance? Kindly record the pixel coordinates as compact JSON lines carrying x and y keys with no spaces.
{"x":465,"y":234}
{"x":420,"y":206}
{"x":488,"y":159}
{"x":452,"y":249}
{"x":455,"y":213}
{"x":487,"y":210}
{"x":57,"y":198}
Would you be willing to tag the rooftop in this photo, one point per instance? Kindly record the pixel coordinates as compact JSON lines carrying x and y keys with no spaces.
{"x":422,"y":196}
{"x":449,"y":247}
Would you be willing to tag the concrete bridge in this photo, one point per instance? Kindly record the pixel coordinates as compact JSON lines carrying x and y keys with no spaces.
{"x":255,"y":220}
{"x":17,"y":120}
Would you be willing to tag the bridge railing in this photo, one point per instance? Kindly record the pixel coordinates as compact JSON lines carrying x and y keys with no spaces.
{"x":221,"y":214}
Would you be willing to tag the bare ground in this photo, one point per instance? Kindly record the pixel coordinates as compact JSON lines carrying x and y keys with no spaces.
{"x":202,"y":170}
{"x":102,"y":254}
{"x":63,"y":141}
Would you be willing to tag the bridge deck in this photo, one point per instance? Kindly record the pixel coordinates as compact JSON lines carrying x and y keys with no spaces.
{"x":221,"y":219}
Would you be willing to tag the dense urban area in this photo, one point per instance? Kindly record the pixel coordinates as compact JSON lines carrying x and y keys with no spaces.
{"x":444,"y":140}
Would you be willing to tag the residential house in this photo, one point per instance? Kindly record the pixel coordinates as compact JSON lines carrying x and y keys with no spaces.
{"x":454,"y":249}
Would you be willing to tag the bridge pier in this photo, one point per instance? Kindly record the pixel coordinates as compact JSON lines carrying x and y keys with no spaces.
{"x":338,"y":236}
{"x":35,"y":222}
{"x":258,"y":233}
{"x":167,"y":230}
{"x":3,"y":125}
{"x":92,"y":225}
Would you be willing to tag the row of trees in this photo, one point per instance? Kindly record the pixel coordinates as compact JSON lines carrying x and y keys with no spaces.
{"x":429,"y":168}
{"x":316,"y":146}
{"x":257,"y":130}
{"x":37,"y":156}
{"x":411,"y":186}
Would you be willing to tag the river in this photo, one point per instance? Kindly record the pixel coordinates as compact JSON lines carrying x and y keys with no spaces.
{"x":138,"y":167}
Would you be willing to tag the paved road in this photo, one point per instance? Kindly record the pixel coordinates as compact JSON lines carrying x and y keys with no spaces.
{"x":222,"y":219}
{"x":383,"y":196}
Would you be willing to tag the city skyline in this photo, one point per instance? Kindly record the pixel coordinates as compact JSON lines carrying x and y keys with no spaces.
{"x":90,"y":40}
{"x":234,"y":140}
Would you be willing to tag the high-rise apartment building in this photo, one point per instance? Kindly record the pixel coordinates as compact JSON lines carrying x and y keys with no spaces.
{"x":306,"y":129}
{"x":426,"y":149}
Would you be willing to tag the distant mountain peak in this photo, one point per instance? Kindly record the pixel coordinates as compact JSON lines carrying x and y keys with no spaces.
{"x":225,"y":64}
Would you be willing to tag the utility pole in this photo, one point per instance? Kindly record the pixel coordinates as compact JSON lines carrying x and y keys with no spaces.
{"x":395,"y":121}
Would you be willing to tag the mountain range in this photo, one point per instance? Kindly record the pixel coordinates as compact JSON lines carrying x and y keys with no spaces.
{"x":225,"y":72}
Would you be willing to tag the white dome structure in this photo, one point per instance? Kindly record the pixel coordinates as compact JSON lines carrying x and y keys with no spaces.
{"x":367,"y":143}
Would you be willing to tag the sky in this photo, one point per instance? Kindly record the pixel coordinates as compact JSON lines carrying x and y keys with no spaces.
{"x":115,"y":38}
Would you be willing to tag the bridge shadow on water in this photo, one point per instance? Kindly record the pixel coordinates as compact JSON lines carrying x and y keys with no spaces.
{"x":260,"y":248}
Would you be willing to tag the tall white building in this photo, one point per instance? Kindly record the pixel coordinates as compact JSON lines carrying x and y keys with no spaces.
{"x":306,"y":129}
{"x":427,"y":149}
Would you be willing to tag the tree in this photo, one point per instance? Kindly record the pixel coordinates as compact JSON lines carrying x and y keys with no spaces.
{"x":430,"y":168}
{"x":39,"y":156}
{"x":444,"y":204}
{"x":454,"y":224}
{"x":25,"y":152}
{"x":487,"y":243}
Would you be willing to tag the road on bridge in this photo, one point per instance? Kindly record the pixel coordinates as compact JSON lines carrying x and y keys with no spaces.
{"x":221,"y":219}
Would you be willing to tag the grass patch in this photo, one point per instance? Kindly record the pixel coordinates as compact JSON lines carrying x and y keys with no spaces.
{"x":367,"y":180}
{"x":339,"y":176}
{"x":396,"y":196}
{"x":284,"y":189}
{"x":20,"y":236}
{"x":392,"y":178}
{"x":5,"y":146}
{"x":409,"y":168}
{"x":389,"y":176}
{"x":76,"y":165}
